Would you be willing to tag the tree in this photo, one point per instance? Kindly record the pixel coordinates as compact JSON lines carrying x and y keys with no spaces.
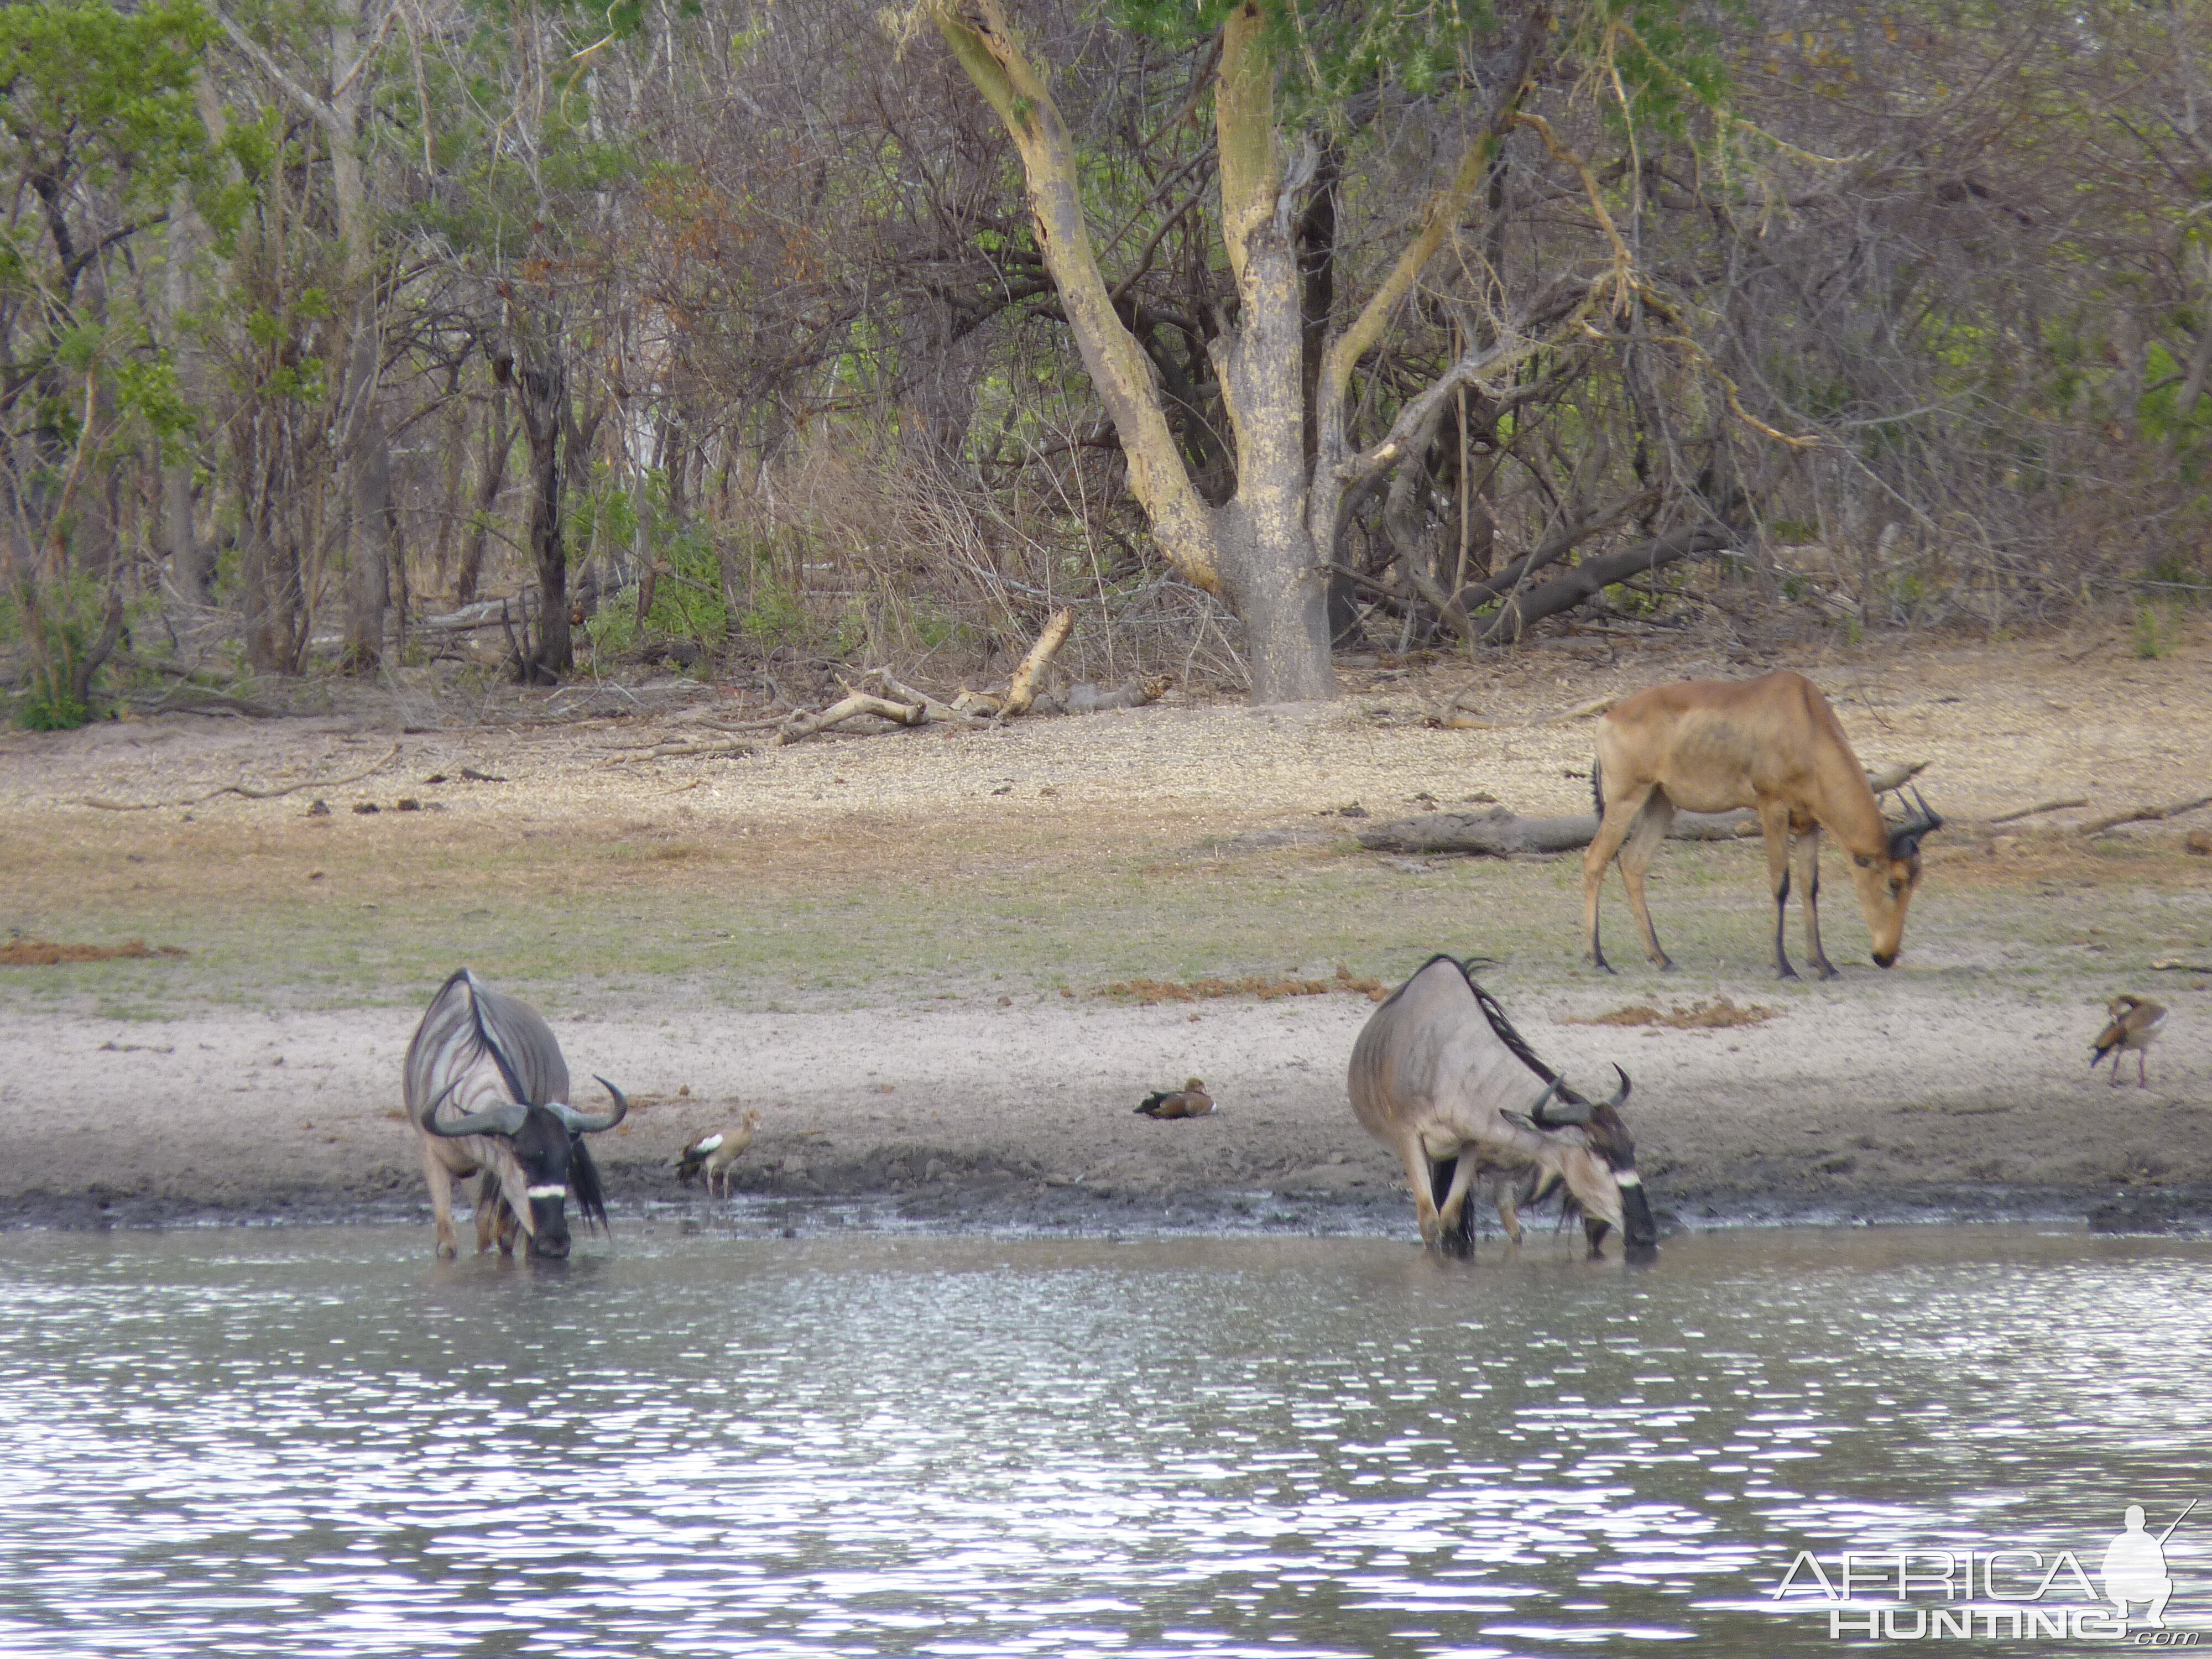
{"x":1287,"y":375}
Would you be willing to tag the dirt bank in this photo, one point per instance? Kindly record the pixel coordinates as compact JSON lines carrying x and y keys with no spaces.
{"x":896,"y":947}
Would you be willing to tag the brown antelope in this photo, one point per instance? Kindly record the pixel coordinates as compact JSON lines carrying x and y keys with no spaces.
{"x":1771,"y":743}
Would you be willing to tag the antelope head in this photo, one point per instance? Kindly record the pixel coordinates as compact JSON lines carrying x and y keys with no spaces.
{"x":547,"y":1143}
{"x":1886,"y":880}
{"x":1600,"y":1173}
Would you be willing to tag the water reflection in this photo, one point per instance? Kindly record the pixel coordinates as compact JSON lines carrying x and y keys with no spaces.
{"x":322,"y":1442}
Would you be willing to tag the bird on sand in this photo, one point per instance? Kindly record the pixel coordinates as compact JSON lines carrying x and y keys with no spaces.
{"x":2136,"y":1021}
{"x":717,"y":1151}
{"x":1189,"y":1101}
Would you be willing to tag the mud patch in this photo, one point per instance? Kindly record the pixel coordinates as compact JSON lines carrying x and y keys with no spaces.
{"x":1145,"y":992}
{"x":47,"y":953}
{"x":1698,"y":1017}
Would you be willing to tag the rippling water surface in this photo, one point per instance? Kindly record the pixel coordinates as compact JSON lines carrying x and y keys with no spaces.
{"x":321,"y":1442}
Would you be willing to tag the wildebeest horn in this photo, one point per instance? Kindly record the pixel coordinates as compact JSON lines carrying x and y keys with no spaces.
{"x":500,"y":1121}
{"x":1572,"y":1112}
{"x":587,"y":1123}
{"x":1620,"y":1094}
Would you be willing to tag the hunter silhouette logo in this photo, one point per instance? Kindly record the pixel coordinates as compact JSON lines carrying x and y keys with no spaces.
{"x":2011,"y":1594}
{"x":2135,"y":1567}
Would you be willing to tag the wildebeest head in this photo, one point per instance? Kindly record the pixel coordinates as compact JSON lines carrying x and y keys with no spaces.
{"x":547,"y":1143}
{"x":1600,"y":1174}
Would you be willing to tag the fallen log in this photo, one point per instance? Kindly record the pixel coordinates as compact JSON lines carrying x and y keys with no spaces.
{"x":2040,"y":807}
{"x":802,"y":727}
{"x":880,"y":680}
{"x":2146,"y":815}
{"x":1498,"y":833}
{"x":1021,"y":690}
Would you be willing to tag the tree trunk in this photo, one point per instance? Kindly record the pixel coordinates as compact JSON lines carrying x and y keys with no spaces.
{"x":540,"y":380}
{"x":375,"y":521}
{"x":498,"y":441}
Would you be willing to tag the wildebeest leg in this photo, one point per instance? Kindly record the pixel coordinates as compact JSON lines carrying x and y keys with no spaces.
{"x":1807,"y":854}
{"x":1458,"y":1240}
{"x":488,"y":1216}
{"x":1595,"y":1231}
{"x":515,"y":1188}
{"x":1613,"y":829}
{"x":1643,"y":840}
{"x":1456,"y":1228}
{"x":1774,"y":825}
{"x":442,"y":1199}
{"x":1424,"y":1203}
{"x":1509,"y":1212}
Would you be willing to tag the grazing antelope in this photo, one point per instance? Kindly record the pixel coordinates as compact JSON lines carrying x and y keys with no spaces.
{"x":1772,"y":743}
{"x":493,"y":1058}
{"x":2136,"y":1022}
{"x":1189,"y":1101}
{"x":716,"y":1153}
{"x":1440,"y":1077}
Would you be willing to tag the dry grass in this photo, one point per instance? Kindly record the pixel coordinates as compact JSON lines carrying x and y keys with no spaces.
{"x":46,"y":954}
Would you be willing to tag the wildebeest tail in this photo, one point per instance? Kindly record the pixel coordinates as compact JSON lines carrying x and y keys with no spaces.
{"x":585,"y":1187}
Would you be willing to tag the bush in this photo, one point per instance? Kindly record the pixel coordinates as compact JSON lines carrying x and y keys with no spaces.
{"x":65,"y":631}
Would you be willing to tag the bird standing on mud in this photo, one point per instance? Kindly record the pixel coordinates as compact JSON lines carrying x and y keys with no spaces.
{"x":1189,"y":1101}
{"x":717,"y":1151}
{"x":2136,"y":1021}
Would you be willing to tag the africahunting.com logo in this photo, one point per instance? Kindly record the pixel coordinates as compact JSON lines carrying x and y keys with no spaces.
{"x":2008,"y":1594}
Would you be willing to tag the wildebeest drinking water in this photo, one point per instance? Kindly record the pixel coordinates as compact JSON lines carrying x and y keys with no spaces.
{"x":488,"y":1062}
{"x":1440,"y":1076}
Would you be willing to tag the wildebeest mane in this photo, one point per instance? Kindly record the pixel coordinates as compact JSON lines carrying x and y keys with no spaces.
{"x":583,"y":1185}
{"x":1501,"y":1027}
{"x":492,"y":1045}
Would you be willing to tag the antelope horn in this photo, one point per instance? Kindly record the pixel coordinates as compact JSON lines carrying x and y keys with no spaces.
{"x":588,"y":1123}
{"x":1571,"y":1112}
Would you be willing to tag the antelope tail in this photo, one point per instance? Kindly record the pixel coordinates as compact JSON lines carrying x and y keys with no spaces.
{"x":1597,"y":787}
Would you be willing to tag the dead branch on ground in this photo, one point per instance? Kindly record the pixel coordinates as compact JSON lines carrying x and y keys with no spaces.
{"x":2146,"y":815}
{"x":245,"y":789}
{"x":2040,"y":807}
{"x":1498,"y":833}
{"x":802,"y":727}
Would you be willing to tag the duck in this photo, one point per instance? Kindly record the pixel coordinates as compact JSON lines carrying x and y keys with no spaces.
{"x":1189,"y":1101}
{"x":2136,"y":1021}
{"x":716,"y":1151}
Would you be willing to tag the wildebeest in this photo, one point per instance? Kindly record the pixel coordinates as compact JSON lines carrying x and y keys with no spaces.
{"x":1772,"y":743}
{"x":1440,"y":1076}
{"x":490,"y":1058}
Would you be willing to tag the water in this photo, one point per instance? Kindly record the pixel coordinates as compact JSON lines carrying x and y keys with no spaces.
{"x":320,"y":1442}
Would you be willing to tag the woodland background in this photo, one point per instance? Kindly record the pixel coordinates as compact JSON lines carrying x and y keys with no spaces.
{"x":392,"y":337}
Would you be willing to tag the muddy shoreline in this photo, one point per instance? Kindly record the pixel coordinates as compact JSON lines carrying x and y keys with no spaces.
{"x":1015,"y":1205}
